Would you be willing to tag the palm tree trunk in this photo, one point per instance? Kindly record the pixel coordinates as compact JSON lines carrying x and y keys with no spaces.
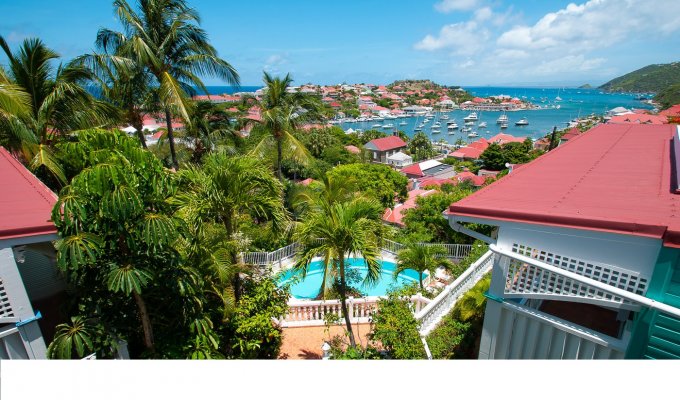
{"x":140,"y":136}
{"x":279,"y":156}
{"x":343,"y":299}
{"x":171,"y":139}
{"x":421,"y":280}
{"x":146,"y":321}
{"x":236,"y":279}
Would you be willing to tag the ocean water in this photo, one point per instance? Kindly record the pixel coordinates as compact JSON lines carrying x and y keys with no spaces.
{"x":231,"y":89}
{"x":575,"y":103}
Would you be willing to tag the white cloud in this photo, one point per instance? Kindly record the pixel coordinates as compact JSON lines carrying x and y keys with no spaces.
{"x":577,"y":41}
{"x":464,"y":38}
{"x":274,"y":62}
{"x":483,"y":14}
{"x":570,"y":63}
{"x":447,"y":6}
{"x":594,"y":25}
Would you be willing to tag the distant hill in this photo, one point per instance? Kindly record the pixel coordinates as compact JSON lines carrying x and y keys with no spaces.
{"x":669,"y":96}
{"x":586,"y":86}
{"x":652,"y":78}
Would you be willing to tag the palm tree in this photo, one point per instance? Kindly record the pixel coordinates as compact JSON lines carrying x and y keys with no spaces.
{"x":281,"y":114}
{"x":224,"y":191}
{"x":58,"y":104}
{"x":14,"y":101}
{"x":163,"y":36}
{"x":125,"y":84}
{"x":421,"y":258}
{"x":334,"y":231}
{"x":209,"y":129}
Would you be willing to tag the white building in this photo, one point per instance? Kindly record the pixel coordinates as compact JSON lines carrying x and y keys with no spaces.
{"x":399,"y":159}
{"x":587,"y":251}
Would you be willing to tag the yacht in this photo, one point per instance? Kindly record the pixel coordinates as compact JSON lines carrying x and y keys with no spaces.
{"x":388,"y":126}
{"x":504,"y":125}
{"x":482,"y":125}
{"x":444,"y":117}
{"x":522,"y":121}
{"x":452,"y":125}
{"x":376,"y":126}
{"x":466,"y":129}
{"x":436,"y":125}
{"x":435,"y":131}
{"x":503,"y":118}
{"x":471,"y":117}
{"x":402,"y":123}
{"x":473,"y":134}
{"x":469,"y":123}
{"x":418,"y":128}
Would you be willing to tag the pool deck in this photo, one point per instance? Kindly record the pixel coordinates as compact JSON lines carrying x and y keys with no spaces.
{"x":304,"y":343}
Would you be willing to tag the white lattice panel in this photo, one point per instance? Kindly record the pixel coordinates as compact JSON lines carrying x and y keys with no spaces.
{"x":528,"y":279}
{"x":5,"y":306}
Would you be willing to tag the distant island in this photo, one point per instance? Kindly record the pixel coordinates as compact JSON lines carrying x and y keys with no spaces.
{"x":586,"y":86}
{"x":650,"y":79}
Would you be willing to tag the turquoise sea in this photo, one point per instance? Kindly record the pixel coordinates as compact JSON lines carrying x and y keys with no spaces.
{"x":575,"y":103}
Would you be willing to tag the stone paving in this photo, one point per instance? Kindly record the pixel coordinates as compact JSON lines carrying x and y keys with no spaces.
{"x":304,"y":343}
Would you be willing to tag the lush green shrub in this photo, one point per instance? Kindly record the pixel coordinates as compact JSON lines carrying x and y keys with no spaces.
{"x":397,"y":329}
{"x":458,"y":334}
{"x":254,"y":335}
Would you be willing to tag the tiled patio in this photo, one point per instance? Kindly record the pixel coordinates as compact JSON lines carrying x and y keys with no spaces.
{"x":304,"y":343}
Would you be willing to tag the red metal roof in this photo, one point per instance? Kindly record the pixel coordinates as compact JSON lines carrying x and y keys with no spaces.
{"x":25,"y":203}
{"x":616,"y":178}
{"x":387,"y":143}
{"x":413,"y":169}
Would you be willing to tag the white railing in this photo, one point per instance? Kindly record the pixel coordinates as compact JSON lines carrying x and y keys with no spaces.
{"x":273,"y":257}
{"x":578,"y":287}
{"x":441,"y":305}
{"x":315,"y":312}
{"x":279,"y":256}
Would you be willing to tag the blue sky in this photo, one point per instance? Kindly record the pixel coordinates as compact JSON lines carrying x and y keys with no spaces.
{"x":465,"y":42}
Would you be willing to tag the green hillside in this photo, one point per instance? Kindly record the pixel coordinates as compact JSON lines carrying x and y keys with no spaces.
{"x":652,"y":78}
{"x":669,"y":96}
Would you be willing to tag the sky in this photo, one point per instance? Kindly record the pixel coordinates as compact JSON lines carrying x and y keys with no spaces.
{"x":453,"y":42}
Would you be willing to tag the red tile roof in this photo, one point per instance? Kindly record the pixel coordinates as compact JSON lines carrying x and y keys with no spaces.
{"x":503,"y":138}
{"x":387,"y":143}
{"x":616,"y":178}
{"x":638,"y":119}
{"x":672,"y":111}
{"x":413,"y":169}
{"x":26,"y":203}
{"x":467,"y":152}
{"x":395,"y":215}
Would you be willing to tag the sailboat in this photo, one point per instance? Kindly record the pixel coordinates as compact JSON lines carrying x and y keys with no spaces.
{"x":558,"y":98}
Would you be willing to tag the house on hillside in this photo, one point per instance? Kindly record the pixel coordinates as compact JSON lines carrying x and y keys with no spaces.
{"x":399,"y":160}
{"x":381,"y":149}
{"x":429,"y":168}
{"x":585,"y":260}
{"x":395,"y":215}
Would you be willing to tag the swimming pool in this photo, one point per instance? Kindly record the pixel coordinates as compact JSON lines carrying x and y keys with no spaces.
{"x":309,"y":287}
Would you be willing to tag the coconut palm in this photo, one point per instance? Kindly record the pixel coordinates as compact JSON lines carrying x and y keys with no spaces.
{"x":14,"y":101}
{"x":283,"y":112}
{"x":163,"y":36}
{"x":125,"y":84}
{"x":422,"y":258}
{"x":224,"y":191}
{"x":58,"y":104}
{"x":209,"y":129}
{"x":336,"y":231}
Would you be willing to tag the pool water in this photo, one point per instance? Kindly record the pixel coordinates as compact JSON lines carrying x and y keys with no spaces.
{"x":310,"y":287}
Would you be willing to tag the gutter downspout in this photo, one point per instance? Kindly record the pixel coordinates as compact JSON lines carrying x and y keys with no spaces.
{"x":466,"y":231}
